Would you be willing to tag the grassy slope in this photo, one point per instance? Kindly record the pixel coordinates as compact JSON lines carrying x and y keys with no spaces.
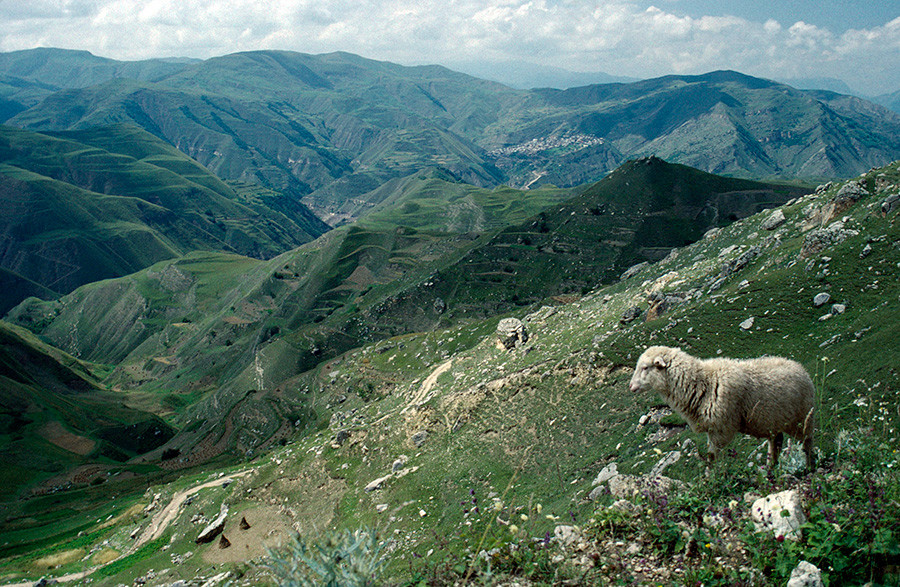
{"x":332,"y":128}
{"x":96,"y":204}
{"x":536,"y":425}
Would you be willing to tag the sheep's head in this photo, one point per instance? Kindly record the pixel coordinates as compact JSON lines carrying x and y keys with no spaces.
{"x":650,"y":371}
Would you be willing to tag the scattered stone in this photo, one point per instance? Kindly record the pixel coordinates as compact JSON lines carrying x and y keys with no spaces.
{"x":440,"y":306}
{"x":747,"y":324}
{"x":838,"y":309}
{"x":668,"y":459}
{"x":890,"y":204}
{"x":419,"y":438}
{"x":381,"y":507}
{"x":398,"y":465}
{"x":867,"y":250}
{"x":782,"y":513}
{"x":244,"y":525}
{"x":511,"y":334}
{"x":541,"y":315}
{"x":224,"y":542}
{"x":631,"y":314}
{"x":774,"y":220}
{"x":633,"y":270}
{"x":214,"y":528}
{"x":821,"y":299}
{"x":806,"y":574}
{"x":376,"y":484}
{"x":606,"y":473}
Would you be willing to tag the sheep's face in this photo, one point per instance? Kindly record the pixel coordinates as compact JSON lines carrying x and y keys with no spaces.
{"x":650,"y":371}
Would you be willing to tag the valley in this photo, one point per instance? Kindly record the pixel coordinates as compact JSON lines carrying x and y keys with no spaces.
{"x":258,"y":296}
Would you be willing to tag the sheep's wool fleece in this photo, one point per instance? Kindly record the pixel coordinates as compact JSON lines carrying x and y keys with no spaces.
{"x":759,"y":397}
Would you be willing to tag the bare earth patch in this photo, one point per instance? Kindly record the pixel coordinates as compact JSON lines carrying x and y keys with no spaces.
{"x":55,"y":433}
{"x":60,"y":558}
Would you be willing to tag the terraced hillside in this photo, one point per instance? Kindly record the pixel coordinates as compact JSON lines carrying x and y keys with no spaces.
{"x":476,"y":462}
{"x":331,"y":129}
{"x":90,"y":205}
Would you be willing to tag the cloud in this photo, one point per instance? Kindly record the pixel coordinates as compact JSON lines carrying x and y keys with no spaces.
{"x":615,"y":36}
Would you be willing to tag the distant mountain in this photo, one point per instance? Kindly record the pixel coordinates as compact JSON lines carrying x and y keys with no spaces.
{"x":890,"y":101}
{"x":55,"y":416}
{"x":524,"y":75}
{"x":433,"y":254}
{"x":88,"y":205}
{"x":820,"y":83}
{"x":333,"y":128}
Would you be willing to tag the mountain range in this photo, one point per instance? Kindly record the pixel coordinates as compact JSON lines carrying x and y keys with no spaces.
{"x":330,"y":129}
{"x":82,"y":206}
{"x":271,"y":293}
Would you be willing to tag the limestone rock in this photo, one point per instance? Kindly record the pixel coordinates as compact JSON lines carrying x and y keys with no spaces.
{"x":606,"y":473}
{"x":511,"y":334}
{"x":633,"y":270}
{"x":806,"y":574}
{"x":821,"y":299}
{"x":214,"y":528}
{"x":774,"y":220}
{"x":747,"y":324}
{"x":376,"y":484}
{"x":781,"y":513}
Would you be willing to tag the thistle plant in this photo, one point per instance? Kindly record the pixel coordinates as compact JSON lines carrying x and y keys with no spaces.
{"x":348,"y":559}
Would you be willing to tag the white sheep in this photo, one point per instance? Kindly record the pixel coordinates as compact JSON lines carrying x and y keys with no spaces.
{"x":764,"y":397}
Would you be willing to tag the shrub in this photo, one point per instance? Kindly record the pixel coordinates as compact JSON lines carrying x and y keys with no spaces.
{"x":349,"y":559}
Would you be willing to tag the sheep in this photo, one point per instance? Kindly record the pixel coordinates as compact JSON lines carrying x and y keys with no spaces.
{"x":764,"y":397}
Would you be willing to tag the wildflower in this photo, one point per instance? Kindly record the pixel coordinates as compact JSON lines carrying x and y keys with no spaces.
{"x":524,"y":518}
{"x":513,"y":529}
{"x":498,"y":505}
{"x":779,"y":538}
{"x":539,"y":507}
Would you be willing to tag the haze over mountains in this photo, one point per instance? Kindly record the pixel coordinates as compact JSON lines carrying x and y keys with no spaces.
{"x":268,"y":278}
{"x":331,"y":128}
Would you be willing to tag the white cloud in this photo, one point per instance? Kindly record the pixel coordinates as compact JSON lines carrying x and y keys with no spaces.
{"x":614,"y":36}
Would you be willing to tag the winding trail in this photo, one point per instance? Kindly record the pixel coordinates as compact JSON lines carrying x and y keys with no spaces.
{"x":158,"y":524}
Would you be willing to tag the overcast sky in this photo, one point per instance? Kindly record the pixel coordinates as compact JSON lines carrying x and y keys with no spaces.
{"x":856,"y":41}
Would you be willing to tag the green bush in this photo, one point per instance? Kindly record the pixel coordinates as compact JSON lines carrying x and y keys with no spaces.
{"x":349,"y":559}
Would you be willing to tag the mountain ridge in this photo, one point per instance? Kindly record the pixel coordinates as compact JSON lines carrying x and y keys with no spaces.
{"x":332,"y":128}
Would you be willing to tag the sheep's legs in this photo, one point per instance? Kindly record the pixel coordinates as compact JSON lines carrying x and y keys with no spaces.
{"x":775,"y":444}
{"x":810,"y":455}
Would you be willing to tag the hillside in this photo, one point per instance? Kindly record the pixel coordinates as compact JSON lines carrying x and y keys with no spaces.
{"x":473,"y":462}
{"x":333,"y":128}
{"x":433,"y":254}
{"x":89,"y":205}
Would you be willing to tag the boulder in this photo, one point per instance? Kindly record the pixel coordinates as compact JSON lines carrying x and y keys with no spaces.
{"x":774,"y":220}
{"x":511,"y":334}
{"x":781,"y":513}
{"x":821,"y":299}
{"x":806,"y":574}
{"x":214,"y":528}
{"x":631,"y":314}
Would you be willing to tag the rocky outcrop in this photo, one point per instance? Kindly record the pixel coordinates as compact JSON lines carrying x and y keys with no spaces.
{"x":511,"y":334}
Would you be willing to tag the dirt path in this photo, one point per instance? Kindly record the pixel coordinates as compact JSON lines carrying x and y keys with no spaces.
{"x":158,"y":524}
{"x":165,"y":516}
{"x":428,"y":385}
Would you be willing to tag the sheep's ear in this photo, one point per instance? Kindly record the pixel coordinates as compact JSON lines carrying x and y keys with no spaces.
{"x":661,"y":362}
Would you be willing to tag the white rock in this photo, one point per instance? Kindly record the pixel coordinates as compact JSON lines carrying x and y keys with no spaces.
{"x":377,"y":483}
{"x":821,"y":299}
{"x":605,"y":474}
{"x":747,"y":324}
{"x":782,"y":513}
{"x":805,"y":575}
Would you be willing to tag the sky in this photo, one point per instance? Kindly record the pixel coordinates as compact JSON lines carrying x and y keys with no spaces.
{"x":856,"y":41}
